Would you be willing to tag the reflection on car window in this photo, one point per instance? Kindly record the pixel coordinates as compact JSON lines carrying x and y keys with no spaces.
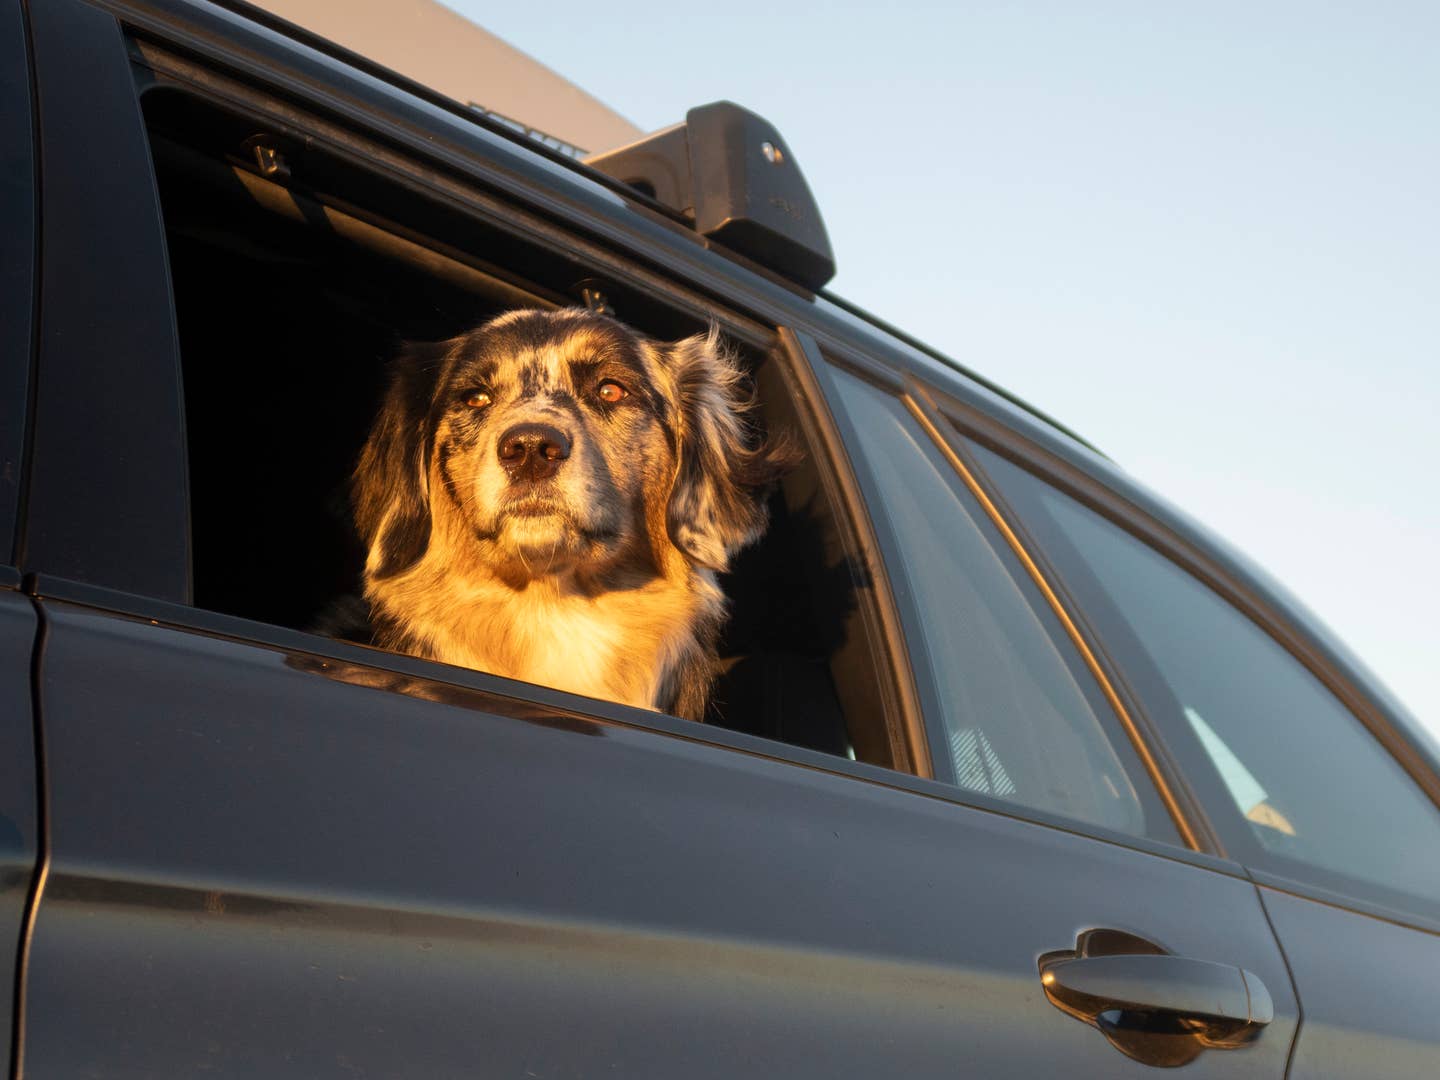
{"x":1311,"y":784}
{"x":1018,"y":723}
{"x":1239,"y":781}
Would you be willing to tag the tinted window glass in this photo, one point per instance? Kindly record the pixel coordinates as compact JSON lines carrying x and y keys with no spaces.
{"x":1021,"y":716}
{"x":1313,"y":789}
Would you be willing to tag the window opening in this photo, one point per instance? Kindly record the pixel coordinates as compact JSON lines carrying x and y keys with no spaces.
{"x":296,"y":275}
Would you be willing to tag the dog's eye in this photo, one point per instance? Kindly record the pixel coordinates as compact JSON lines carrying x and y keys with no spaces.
{"x":611,"y":391}
{"x":478,"y":399}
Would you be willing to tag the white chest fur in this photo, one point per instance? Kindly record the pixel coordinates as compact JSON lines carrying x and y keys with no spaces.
{"x":617,"y":645}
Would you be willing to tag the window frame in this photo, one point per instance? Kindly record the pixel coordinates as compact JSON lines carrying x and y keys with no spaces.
{"x":621,"y":268}
{"x":165,"y":601}
{"x":912,"y":745}
{"x":1130,"y":508}
{"x":106,"y":385}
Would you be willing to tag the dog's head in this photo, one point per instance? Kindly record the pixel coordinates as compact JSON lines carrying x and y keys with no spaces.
{"x":550,"y":442}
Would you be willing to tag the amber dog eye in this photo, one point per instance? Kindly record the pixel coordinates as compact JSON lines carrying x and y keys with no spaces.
{"x":478,"y":399}
{"x":611,"y":392}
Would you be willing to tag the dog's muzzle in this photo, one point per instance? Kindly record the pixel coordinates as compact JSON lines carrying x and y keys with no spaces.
{"x":530,"y":452}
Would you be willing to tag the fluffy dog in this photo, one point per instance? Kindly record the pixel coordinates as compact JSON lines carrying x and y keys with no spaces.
{"x":550,"y":497}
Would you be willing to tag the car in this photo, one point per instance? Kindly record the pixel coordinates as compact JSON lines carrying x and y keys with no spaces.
{"x":1015,"y":770}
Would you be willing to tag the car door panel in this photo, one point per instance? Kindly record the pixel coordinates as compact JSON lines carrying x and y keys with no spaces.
{"x":1368,"y":986}
{"x":18,"y":829}
{"x":107,"y":392}
{"x":260,"y":866}
{"x":1300,"y":791}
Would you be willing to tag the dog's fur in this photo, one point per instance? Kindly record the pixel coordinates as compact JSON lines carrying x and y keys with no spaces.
{"x":581,"y":553}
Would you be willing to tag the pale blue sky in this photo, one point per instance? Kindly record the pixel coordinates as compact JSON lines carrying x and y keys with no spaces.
{"x":1206,"y":236}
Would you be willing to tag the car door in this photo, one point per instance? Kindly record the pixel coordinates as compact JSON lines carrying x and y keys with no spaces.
{"x":18,"y":625}
{"x":272,"y":853}
{"x":19,"y":840}
{"x":1334,"y":816}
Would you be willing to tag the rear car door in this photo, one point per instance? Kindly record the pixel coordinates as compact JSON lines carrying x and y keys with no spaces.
{"x":1323,"y":792}
{"x":271,"y":853}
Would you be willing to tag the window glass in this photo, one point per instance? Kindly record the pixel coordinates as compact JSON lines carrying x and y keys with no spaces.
{"x":1021,"y":716}
{"x":1314,"y":790}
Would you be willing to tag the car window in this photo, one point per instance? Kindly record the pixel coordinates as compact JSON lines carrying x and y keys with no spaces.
{"x":1021,"y":717}
{"x":1312,"y":794}
{"x":298,"y":272}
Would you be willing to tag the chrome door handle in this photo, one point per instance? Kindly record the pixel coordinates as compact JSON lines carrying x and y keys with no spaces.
{"x":1152,"y":1006}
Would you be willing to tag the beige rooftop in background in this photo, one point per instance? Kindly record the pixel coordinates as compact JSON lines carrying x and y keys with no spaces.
{"x":431,"y":44}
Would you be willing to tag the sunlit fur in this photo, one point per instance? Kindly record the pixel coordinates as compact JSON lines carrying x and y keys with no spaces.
{"x":599,"y":579}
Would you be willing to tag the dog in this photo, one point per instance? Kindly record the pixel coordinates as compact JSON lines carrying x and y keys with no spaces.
{"x":551,"y":496}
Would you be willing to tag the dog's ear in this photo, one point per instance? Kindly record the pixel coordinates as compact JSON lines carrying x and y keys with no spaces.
{"x":714,"y":508}
{"x":391,"y":486}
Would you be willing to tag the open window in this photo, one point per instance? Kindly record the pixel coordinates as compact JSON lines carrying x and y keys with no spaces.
{"x":299,"y":264}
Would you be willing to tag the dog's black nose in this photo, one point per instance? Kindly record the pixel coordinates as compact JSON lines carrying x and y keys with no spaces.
{"x":533,"y":451}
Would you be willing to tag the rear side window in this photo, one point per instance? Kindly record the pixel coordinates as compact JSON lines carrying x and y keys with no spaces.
{"x":1306,"y":790}
{"x":1023,"y":721}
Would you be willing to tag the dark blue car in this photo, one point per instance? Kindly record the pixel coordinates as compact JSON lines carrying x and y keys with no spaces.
{"x":1016,"y":771}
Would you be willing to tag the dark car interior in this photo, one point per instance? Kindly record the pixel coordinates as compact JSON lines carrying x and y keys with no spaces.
{"x":295,"y":280}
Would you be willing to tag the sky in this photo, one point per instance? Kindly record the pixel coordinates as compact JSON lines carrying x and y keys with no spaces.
{"x":1205,"y":236}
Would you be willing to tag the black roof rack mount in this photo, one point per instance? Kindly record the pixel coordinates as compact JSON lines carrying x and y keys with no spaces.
{"x":729,"y":171}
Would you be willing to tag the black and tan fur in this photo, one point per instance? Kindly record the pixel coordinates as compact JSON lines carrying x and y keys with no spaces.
{"x":581,"y":553}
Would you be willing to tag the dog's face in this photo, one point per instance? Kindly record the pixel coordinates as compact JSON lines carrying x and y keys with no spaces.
{"x":549,"y":432}
{"x":554,"y":442}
